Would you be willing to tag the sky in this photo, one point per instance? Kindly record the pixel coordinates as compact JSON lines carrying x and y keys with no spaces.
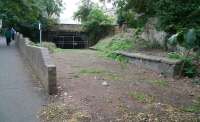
{"x":70,"y":6}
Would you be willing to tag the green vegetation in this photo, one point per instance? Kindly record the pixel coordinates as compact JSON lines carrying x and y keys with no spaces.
{"x":92,"y":71}
{"x":194,"y":108}
{"x":24,"y":15}
{"x":95,"y":21}
{"x":50,"y":46}
{"x":161,"y":83}
{"x":190,"y":69}
{"x":101,"y":73}
{"x":189,"y":39}
{"x":109,"y":46}
{"x":172,"y":14}
{"x":141,"y":97}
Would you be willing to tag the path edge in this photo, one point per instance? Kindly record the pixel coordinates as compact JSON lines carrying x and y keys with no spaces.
{"x":40,"y":61}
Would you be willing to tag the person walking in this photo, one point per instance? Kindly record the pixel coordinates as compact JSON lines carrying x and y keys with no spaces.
{"x":13,"y":32}
{"x":8,"y":35}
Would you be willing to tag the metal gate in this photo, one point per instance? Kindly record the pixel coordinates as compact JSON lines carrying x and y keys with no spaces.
{"x":70,"y":42}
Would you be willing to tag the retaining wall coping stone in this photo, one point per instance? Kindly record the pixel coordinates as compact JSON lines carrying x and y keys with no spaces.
{"x":150,"y":58}
{"x":40,"y":61}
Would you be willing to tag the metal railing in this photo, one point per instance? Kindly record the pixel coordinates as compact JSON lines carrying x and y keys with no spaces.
{"x":73,"y":41}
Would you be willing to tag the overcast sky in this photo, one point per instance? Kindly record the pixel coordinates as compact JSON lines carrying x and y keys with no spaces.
{"x":70,"y":7}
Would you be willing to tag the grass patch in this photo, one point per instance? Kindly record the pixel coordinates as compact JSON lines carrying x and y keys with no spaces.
{"x":141,"y":97}
{"x":194,"y":108}
{"x":101,"y":73}
{"x":161,"y":83}
{"x":92,"y":71}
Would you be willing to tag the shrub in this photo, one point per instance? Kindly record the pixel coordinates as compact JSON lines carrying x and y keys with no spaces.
{"x":96,"y":22}
{"x":110,"y":45}
{"x":98,"y":25}
{"x":51,"y":46}
{"x":189,"y":69}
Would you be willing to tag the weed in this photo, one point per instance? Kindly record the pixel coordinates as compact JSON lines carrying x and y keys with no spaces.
{"x":110,"y":45}
{"x":161,"y":83}
{"x":102,"y":73}
{"x":76,"y":76}
{"x":92,"y":71}
{"x":190,"y":69}
{"x":194,"y":108}
{"x":50,"y":46}
{"x":174,"y":55}
{"x":141,"y":97}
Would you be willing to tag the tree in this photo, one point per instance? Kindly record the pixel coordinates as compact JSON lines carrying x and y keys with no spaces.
{"x":23,"y":14}
{"x":94,"y":20}
{"x":178,"y":14}
{"x":84,"y":10}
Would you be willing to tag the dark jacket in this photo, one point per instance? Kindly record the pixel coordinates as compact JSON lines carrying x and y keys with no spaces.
{"x":8,"y":34}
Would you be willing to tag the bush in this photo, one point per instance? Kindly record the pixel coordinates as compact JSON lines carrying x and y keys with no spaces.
{"x":50,"y":46}
{"x":178,"y":13}
{"x":120,"y":42}
{"x":95,"y":21}
{"x":98,"y":25}
{"x":190,"y":69}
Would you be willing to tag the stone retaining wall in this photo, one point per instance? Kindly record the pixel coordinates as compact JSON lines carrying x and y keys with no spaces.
{"x":162,"y":65}
{"x":40,"y":61}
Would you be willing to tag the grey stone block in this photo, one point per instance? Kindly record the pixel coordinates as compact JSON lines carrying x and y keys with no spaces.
{"x":40,"y":61}
{"x":162,"y":65}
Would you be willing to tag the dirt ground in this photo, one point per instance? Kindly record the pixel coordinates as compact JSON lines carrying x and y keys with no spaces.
{"x":110,"y":91}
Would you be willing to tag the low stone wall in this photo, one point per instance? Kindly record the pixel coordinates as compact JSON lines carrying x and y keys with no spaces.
{"x":165,"y":66}
{"x":40,"y":61}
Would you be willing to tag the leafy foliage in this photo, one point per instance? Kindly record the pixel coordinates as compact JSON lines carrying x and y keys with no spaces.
{"x":109,"y":46}
{"x":189,"y":68}
{"x":83,"y":11}
{"x":194,"y":108}
{"x":172,"y":14}
{"x":190,"y":40}
{"x":178,"y":13}
{"x":25,"y":14}
{"x":96,"y":23}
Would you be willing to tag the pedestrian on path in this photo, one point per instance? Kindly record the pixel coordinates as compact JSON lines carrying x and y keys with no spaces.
{"x":8,"y":35}
{"x":13,"y":32}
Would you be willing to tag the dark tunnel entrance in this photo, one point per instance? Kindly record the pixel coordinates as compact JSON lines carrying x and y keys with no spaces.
{"x":70,"y":41}
{"x":68,"y":36}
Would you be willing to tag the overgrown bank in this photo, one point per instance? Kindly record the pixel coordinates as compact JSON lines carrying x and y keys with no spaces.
{"x":133,"y":42}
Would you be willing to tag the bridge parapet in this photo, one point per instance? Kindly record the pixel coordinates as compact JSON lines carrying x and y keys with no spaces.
{"x":40,"y":61}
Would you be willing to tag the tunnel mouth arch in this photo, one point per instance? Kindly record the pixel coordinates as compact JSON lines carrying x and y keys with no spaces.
{"x":68,"y":36}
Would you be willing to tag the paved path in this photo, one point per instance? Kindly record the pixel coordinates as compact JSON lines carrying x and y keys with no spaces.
{"x":20,"y":97}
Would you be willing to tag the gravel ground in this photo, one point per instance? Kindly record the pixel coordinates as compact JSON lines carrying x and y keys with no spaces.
{"x":110,"y":91}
